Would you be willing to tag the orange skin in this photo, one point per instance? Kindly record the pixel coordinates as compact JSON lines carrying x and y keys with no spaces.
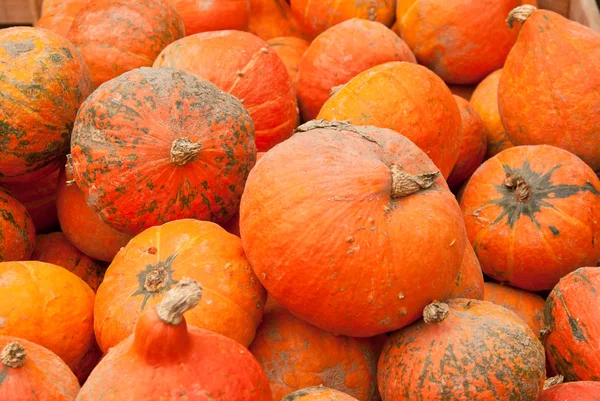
{"x":318,"y":393}
{"x":43,"y":377}
{"x":548,"y":92}
{"x":290,"y":50}
{"x":209,"y":15}
{"x":60,"y":19}
{"x":532,"y":243}
{"x":472,"y":145}
{"x":580,"y":391}
{"x":339,"y":54}
{"x":44,"y":80}
{"x":99,"y":28}
{"x":479,"y":352}
{"x":355,"y":286}
{"x":238,"y":62}
{"x":469,"y":282}
{"x":460,"y":40}
{"x":17,"y":233}
{"x":89,"y":361}
{"x":485,"y":102}
{"x":431,"y":118}
{"x":571,"y":317}
{"x":233,"y":299}
{"x":339,"y":362}
{"x":49,"y":6}
{"x":48,"y":305}
{"x":272,"y":19}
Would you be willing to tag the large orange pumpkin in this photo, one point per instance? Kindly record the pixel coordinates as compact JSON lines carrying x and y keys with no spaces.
{"x":138,"y":166}
{"x":153,"y":261}
{"x":273,"y":18}
{"x":533,"y":215}
{"x":362,"y":270}
{"x":469,"y":282}
{"x":580,"y":391}
{"x":290,"y":50}
{"x":463,"y":350}
{"x":44,"y":80}
{"x":29,"y":372}
{"x":572,"y":326}
{"x":60,"y":19}
{"x":295,"y":355}
{"x":116,"y":36}
{"x":318,"y":393}
{"x":339,"y":54}
{"x":407,"y":98}
{"x":548,"y":92}
{"x":17,"y":234}
{"x":167,"y":360}
{"x":212,"y":15}
{"x":244,"y":66}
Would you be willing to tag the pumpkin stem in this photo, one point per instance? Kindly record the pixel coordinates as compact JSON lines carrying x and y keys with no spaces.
{"x":404,"y":184}
{"x":520,"y":186}
{"x":553,"y":381}
{"x":183,"y":150}
{"x":13,"y":355}
{"x":435,"y":312}
{"x":156,"y":279}
{"x":184,"y":296}
{"x":520,"y":14}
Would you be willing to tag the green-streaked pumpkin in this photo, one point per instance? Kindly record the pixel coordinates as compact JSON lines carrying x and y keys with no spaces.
{"x":17,"y":233}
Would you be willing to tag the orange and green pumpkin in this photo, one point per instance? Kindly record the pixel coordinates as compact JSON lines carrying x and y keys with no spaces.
{"x":212,"y":15}
{"x":17,"y":233}
{"x":580,"y":391}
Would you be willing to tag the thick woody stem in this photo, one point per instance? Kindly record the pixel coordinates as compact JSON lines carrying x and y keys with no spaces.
{"x":183,"y":150}
{"x":520,"y":14}
{"x":404,"y":184}
{"x":435,"y":312}
{"x":13,"y":355}
{"x":185,"y":295}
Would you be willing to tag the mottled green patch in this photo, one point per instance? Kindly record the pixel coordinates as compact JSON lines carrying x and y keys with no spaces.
{"x":3,"y":374}
{"x":162,"y":271}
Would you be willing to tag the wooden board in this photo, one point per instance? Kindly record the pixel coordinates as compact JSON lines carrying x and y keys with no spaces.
{"x":558,"y":6}
{"x":19,"y":12}
{"x":585,"y":12}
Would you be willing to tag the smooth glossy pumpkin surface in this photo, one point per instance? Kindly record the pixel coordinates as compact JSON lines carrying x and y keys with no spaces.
{"x":290,"y":50}
{"x":60,"y":19}
{"x":44,"y":80}
{"x":273,"y":18}
{"x":212,"y":15}
{"x":528,"y":306}
{"x":318,"y":393}
{"x":469,"y":282}
{"x":17,"y":233}
{"x":244,"y":66}
{"x":430,"y":117}
{"x":339,"y":54}
{"x":533,"y":215}
{"x":580,"y":391}
{"x":139,"y":166}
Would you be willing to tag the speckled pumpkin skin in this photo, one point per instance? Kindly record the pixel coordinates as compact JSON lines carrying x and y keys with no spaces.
{"x":479,"y":352}
{"x":49,"y":6}
{"x":244,"y":66}
{"x":531,"y":244}
{"x":528,"y":306}
{"x":122,"y":144}
{"x":571,"y":317}
{"x":17,"y":233}
{"x":318,"y":393}
{"x":212,"y":15}
{"x":60,"y":19}
{"x":273,"y":18}
{"x":580,"y":391}
{"x":469,"y":282}
{"x":99,"y":29}
{"x":339,"y":54}
{"x":290,"y":50}
{"x":44,"y":80}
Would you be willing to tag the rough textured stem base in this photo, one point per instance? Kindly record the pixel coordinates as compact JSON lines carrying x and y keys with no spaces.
{"x":553,"y":381}
{"x":520,"y":186}
{"x":183,"y":297}
{"x":404,"y":184}
{"x":13,"y":355}
{"x":183,"y":150}
{"x":520,"y":14}
{"x":435,"y":312}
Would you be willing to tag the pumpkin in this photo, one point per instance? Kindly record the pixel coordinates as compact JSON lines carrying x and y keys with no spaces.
{"x":138,"y":167}
{"x":528,"y":306}
{"x":532,"y":214}
{"x":55,"y":248}
{"x":49,"y":6}
{"x":17,"y":234}
{"x":271,"y":19}
{"x":463,"y":350}
{"x":48,"y":305}
{"x":362,"y":271}
{"x":81,"y":226}
{"x":407,"y":98}
{"x":44,"y":80}
{"x":89,"y":361}
{"x":469,"y":282}
{"x":581,"y":391}
{"x":60,"y":19}
{"x":30,"y":372}
{"x":244,"y":66}
{"x":290,"y":50}
{"x":572,"y":326}
{"x":485,"y":103}
{"x":100,"y":27}
{"x":318,"y":393}
{"x":166,"y":359}
{"x":460,"y":40}
{"x":158,"y":258}
{"x":339,"y":54}
{"x":548,"y":91}
{"x":472,"y":144}
{"x":464,"y":91}
{"x":339,"y":362}
{"x":210,"y":15}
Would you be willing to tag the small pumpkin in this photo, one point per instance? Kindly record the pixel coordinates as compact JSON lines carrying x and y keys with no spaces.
{"x":469,"y":282}
{"x":290,"y":50}
{"x":460,"y":350}
{"x":407,"y":98}
{"x":166,"y":359}
{"x":60,"y":19}
{"x":30,"y":372}
{"x":339,"y":54}
{"x":572,"y":326}
{"x":210,"y":15}
{"x":318,"y":393}
{"x":295,"y":355}
{"x":533,"y":215}
{"x":17,"y":233}
{"x":580,"y":391}
{"x":273,"y":18}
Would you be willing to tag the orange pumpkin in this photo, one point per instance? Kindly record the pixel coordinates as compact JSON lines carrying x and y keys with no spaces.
{"x":290,"y":50}
{"x":464,"y":91}
{"x":89,"y":361}
{"x":533,"y":215}
{"x":430,"y":116}
{"x":339,"y":54}
{"x":469,"y":282}
{"x":463,"y":350}
{"x":156,"y":259}
{"x":358,"y":189}
{"x":318,"y":393}
{"x":548,"y":92}
{"x":48,"y":305}
{"x":167,"y":360}
{"x":100,"y":27}
{"x":29,"y":372}
{"x":472,"y":144}
{"x":60,"y":19}
{"x":49,"y":6}
{"x":271,"y":19}
{"x":339,"y":362}
{"x":210,"y":15}
{"x":239,"y":63}
{"x":44,"y":80}
{"x":580,"y":391}
{"x":17,"y":234}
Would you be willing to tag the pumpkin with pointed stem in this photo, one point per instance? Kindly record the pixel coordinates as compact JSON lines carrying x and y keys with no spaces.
{"x":580,"y":391}
{"x":528,"y":306}
{"x":469,"y":282}
{"x":210,"y":15}
{"x":273,"y":18}
{"x":17,"y":233}
{"x":290,"y":50}
{"x":318,"y":393}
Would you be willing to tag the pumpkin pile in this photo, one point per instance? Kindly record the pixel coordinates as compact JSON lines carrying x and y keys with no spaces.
{"x":270,"y":200}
